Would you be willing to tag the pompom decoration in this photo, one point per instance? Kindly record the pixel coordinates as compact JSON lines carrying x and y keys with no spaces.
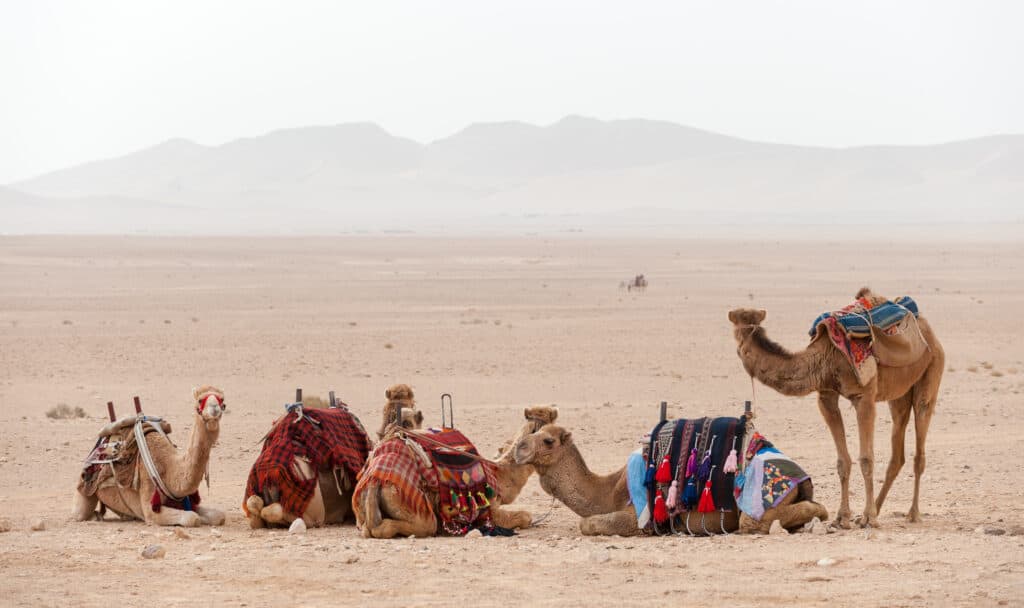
{"x":691,"y":463}
{"x":730,"y":461}
{"x":664,"y":474}
{"x":707,"y":504}
{"x":660,"y":512}
{"x":673,"y":495}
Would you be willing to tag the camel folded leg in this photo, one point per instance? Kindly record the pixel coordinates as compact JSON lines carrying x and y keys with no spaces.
{"x":210,"y":516}
{"x":84,"y":508}
{"x":254,"y":506}
{"x":508,"y":518}
{"x":792,"y":517}
{"x":622,"y":523}
{"x":173,"y":517}
{"x":379,"y":502}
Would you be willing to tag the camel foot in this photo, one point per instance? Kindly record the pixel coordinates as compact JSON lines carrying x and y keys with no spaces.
{"x":254,"y":505}
{"x":211,"y":517}
{"x":865,"y":521}
{"x":914,"y":517}
{"x":275,"y":514}
{"x":842,"y":522}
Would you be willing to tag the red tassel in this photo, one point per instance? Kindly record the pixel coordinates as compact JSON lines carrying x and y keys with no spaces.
{"x":156,"y":502}
{"x":664,"y":474}
{"x":660,"y":512}
{"x":706,"y":504}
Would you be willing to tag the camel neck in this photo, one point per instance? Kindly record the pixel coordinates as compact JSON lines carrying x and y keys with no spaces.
{"x":583,"y":491}
{"x":193,"y":461}
{"x":793,"y":374}
{"x":511,"y":478}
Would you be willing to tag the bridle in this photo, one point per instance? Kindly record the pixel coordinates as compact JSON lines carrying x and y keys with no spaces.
{"x":201,"y":403}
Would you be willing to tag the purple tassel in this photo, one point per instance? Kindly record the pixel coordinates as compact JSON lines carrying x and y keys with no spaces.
{"x":705,"y":464}
{"x":691,"y":463}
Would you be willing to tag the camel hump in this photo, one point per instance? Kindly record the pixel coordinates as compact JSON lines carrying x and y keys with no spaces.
{"x":864,"y":292}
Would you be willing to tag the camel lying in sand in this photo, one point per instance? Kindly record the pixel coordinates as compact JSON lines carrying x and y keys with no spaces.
{"x":823,"y":369}
{"x":332,"y":496}
{"x":180,"y":473}
{"x":381,"y":513}
{"x":603,"y":500}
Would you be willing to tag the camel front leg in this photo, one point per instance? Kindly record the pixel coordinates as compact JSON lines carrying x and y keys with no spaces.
{"x":254,"y":506}
{"x":900,"y":411}
{"x":865,"y":406}
{"x":828,"y":404}
{"x":210,"y":516}
{"x":172,"y":517}
{"x":622,"y":523}
{"x":508,"y":518}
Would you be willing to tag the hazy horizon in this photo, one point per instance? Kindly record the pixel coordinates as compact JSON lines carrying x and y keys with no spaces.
{"x":87,"y":81}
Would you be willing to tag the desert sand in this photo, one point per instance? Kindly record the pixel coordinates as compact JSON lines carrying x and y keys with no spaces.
{"x":501,"y":323}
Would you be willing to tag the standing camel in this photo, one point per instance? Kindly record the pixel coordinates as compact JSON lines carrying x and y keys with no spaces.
{"x":822,"y":368}
{"x":603,"y":500}
{"x":180,"y":471}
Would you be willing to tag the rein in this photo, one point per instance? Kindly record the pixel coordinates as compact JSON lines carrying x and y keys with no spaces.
{"x":431,"y":440}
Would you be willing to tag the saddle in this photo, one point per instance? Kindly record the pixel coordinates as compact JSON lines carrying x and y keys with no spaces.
{"x":873,"y":331}
{"x":116,"y":451}
{"x":330,"y":438}
{"x":690,"y":467}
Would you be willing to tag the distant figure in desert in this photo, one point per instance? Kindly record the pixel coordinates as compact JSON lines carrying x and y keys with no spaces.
{"x":639,"y":283}
{"x":136,"y":471}
{"x":901,"y":364}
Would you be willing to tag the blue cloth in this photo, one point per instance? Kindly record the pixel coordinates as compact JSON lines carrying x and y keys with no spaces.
{"x":635,"y":470}
{"x":883,"y":316}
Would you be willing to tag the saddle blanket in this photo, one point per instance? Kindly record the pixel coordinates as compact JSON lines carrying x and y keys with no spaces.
{"x":858,"y":318}
{"x":767,"y":478}
{"x":330,"y":439}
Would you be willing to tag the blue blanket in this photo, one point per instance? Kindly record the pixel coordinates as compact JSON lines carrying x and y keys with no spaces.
{"x":856,"y":320}
{"x":636,"y":468}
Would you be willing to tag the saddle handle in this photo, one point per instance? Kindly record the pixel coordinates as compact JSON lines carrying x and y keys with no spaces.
{"x":447,"y":421}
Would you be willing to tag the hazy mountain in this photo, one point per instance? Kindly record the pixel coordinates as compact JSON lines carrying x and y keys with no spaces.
{"x":324,"y":179}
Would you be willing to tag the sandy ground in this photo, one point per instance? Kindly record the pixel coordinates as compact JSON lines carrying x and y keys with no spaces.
{"x":501,"y":323}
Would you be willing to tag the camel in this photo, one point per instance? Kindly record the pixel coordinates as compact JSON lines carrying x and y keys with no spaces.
{"x":398,"y":396}
{"x":823,"y":369}
{"x":180,"y":470}
{"x":603,"y":500}
{"x":639,"y":283}
{"x":332,"y":497}
{"x":382,"y":514}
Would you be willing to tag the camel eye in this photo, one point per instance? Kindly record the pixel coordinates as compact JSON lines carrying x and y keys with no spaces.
{"x":549,"y":441}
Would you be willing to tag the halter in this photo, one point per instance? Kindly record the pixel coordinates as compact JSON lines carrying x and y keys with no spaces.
{"x":201,"y":403}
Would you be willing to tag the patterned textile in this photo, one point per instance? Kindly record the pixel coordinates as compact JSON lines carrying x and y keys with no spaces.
{"x":856,"y":350}
{"x":329,"y":438}
{"x":112,"y":461}
{"x":858,"y":317}
{"x":464,"y":485}
{"x":767,"y":478}
{"x":677,"y":439}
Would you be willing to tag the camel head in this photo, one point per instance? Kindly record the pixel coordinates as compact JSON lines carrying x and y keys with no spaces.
{"x":400,"y":396}
{"x":209,"y":405}
{"x":536,"y":417}
{"x":543,"y":448}
{"x":747,"y":316}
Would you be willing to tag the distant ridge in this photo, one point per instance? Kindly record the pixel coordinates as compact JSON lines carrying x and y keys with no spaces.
{"x":358,"y":174}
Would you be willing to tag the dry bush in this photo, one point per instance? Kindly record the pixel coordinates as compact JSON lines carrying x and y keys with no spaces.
{"x":63,"y":411}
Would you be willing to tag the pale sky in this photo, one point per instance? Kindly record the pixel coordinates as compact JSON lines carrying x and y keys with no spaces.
{"x":81,"y":81}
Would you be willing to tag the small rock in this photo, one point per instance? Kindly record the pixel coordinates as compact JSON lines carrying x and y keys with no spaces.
{"x":182,"y":534}
{"x":1014,"y":531}
{"x":777,"y":528}
{"x":351,"y":558}
{"x":601,"y":556}
{"x":475,"y":533}
{"x":979,"y":530}
{"x":816,"y":527}
{"x":154,"y":552}
{"x":994,"y":531}
{"x":5,"y":525}
{"x":826,"y":562}
{"x":38,"y":525}
{"x":298,"y":527}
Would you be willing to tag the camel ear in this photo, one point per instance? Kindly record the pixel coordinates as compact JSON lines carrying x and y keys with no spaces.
{"x":566,"y":437}
{"x":526,"y":413}
{"x":760,"y":315}
{"x":387,"y":393}
{"x":732,"y":317}
{"x":419,"y":417}
{"x":554,"y":413}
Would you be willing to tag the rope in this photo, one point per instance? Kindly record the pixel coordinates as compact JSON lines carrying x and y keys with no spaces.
{"x":147,"y":457}
{"x":544,"y":517}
